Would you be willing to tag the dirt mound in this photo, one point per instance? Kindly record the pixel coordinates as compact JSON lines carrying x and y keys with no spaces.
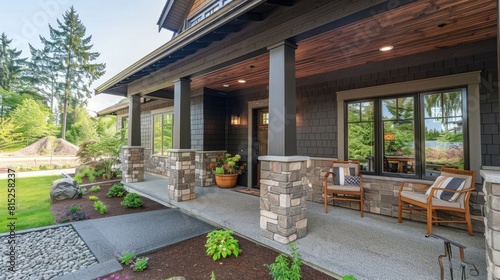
{"x":46,"y":145}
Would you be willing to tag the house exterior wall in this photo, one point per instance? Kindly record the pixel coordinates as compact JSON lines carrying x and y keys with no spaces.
{"x":316,"y":100}
{"x":317,"y":116}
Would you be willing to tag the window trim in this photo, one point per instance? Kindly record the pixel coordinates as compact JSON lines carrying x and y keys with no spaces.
{"x":469,"y":80}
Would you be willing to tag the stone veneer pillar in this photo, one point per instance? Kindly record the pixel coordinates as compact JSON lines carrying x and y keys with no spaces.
{"x":283,"y":198}
{"x":132,"y":164}
{"x":181,"y":180}
{"x":491,"y":187}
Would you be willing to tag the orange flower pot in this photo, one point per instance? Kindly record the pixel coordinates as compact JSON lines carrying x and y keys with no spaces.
{"x":226,"y":180}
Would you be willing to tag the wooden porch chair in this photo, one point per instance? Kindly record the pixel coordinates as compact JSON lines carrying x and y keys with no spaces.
{"x":347,"y":183}
{"x":450,"y":192}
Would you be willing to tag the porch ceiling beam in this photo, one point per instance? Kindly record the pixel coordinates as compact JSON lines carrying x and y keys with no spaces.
{"x":160,"y":94}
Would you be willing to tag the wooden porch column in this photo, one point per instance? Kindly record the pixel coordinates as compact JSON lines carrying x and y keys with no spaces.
{"x":282,"y":100}
{"x":134,"y":123}
{"x":182,"y":114}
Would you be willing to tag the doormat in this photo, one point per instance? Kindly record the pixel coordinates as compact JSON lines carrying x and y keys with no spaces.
{"x":255,"y":192}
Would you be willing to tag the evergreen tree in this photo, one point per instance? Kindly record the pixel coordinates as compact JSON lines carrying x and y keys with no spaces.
{"x":44,"y":76}
{"x":11,"y":66}
{"x":72,"y":54}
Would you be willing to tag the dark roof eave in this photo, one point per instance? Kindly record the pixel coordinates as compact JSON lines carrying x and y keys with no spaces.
{"x":180,"y":41}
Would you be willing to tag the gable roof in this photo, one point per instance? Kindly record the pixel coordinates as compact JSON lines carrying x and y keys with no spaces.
{"x":173,"y":15}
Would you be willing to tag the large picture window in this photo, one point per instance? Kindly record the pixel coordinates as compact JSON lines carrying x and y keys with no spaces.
{"x":162,"y":132}
{"x":412,"y":135}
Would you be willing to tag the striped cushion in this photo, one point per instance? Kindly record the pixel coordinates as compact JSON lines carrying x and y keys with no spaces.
{"x":446,"y":182}
{"x":341,"y":173}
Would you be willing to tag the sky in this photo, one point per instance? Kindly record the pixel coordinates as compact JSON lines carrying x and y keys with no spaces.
{"x":123,"y":31}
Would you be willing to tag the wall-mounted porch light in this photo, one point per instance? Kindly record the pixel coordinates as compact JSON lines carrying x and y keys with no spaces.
{"x":235,"y":120}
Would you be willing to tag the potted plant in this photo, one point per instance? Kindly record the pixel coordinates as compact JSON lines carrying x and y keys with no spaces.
{"x":226,"y":170}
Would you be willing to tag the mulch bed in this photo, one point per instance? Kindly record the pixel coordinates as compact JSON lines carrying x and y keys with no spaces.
{"x":113,"y":205}
{"x":187,"y":258}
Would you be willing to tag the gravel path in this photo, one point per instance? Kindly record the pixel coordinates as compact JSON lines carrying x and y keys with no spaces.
{"x":45,"y":254}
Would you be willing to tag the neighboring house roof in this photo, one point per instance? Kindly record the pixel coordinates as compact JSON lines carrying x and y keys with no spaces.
{"x":173,"y":15}
{"x":122,"y":104}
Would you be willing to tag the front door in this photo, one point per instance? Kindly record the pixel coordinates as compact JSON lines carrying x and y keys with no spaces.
{"x":260,"y":141}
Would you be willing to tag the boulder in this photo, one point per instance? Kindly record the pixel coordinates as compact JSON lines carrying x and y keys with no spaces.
{"x":65,"y":188}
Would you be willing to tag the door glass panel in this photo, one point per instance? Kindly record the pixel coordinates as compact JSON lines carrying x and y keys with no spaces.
{"x":444,"y":143}
{"x":398,"y":135}
{"x":361,"y":134}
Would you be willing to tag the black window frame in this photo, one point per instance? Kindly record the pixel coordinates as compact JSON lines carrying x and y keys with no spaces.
{"x":419,"y":130}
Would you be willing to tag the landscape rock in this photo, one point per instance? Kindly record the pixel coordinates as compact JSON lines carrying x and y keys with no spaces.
{"x":65,"y":188}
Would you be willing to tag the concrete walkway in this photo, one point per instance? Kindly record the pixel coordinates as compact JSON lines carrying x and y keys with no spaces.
{"x":140,"y":232}
{"x":340,"y":242}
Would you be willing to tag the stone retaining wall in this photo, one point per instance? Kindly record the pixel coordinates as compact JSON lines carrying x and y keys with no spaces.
{"x":381,"y":195}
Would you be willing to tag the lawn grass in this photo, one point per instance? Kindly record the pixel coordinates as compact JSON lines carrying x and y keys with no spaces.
{"x":32,"y":203}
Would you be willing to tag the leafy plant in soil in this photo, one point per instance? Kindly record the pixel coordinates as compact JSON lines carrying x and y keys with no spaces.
{"x":132,"y":200}
{"x":99,"y":206}
{"x":93,"y":198}
{"x":221,"y":243}
{"x":95,"y":189}
{"x":126,"y":257}
{"x":140,"y":264}
{"x":116,"y":190}
{"x":285,"y":268}
{"x":74,"y":213}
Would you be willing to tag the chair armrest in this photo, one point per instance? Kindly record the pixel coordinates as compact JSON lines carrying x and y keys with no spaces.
{"x":328,"y":174}
{"x":452,"y":191}
{"x":421,"y":189}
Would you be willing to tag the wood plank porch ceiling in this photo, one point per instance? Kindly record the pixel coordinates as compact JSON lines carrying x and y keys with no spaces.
{"x":418,"y":27}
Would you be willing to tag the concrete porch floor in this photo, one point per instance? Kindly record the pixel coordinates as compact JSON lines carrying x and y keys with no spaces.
{"x":339,"y":242}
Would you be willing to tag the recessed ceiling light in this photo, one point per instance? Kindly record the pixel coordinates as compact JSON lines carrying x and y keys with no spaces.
{"x":225,"y":85}
{"x":441,"y":25}
{"x":241,"y":81}
{"x":386,"y":48}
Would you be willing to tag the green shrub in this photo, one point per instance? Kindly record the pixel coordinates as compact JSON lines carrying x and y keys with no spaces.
{"x":140,"y":264}
{"x":126,"y":257}
{"x":93,"y":198}
{"x":132,"y":200}
{"x":74,"y":213}
{"x":99,"y":206}
{"x":78,"y":178}
{"x":95,"y":189}
{"x":84,"y":191}
{"x":221,"y":243}
{"x":116,"y":190}
{"x":285,"y":268}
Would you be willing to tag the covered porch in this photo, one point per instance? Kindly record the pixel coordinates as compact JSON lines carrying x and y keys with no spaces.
{"x":339,"y":242}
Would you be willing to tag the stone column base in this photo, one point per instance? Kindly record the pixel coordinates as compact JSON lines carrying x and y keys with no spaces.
{"x":491,"y":187}
{"x":283,"y":198}
{"x":132,"y":164}
{"x":181,"y":179}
